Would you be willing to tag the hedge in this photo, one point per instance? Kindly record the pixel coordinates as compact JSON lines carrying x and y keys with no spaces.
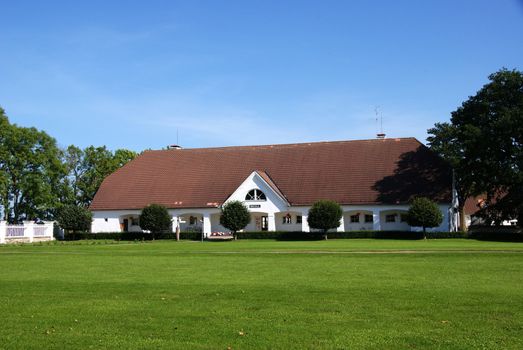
{"x":496,"y":233}
{"x":129,"y":236}
{"x":508,"y":234}
{"x":308,"y":236}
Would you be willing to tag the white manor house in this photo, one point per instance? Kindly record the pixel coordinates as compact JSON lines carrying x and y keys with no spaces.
{"x":373,"y":181}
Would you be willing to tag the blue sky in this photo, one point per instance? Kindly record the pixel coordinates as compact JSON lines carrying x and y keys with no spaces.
{"x":130,"y":74}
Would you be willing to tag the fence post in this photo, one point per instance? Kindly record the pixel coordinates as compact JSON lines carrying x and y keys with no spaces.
{"x":2,"y":232}
{"x":50,"y":230}
{"x":30,"y":232}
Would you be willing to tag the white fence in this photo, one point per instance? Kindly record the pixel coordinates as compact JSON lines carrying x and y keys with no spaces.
{"x":27,"y":232}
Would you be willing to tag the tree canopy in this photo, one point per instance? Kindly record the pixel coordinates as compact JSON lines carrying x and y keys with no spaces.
{"x":87,"y":168}
{"x":424,"y":213}
{"x":30,"y":171}
{"x":74,"y":218}
{"x":484,"y":144}
{"x":155,"y":218}
{"x":37,"y":178}
{"x":235,"y":216}
{"x":325,"y":215}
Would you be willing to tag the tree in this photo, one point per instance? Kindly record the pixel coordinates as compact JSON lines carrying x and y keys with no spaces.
{"x":30,"y":171}
{"x":484,"y":144}
{"x":424,"y":213}
{"x":74,"y":218}
{"x":235,"y":216}
{"x":155,"y":218}
{"x":325,"y":215}
{"x":87,"y":169}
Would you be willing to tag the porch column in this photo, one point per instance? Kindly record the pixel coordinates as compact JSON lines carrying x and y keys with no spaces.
{"x":304,"y":223}
{"x":2,"y":232}
{"x":206,"y":224}
{"x":271,"y":223}
{"x":341,"y":228}
{"x":376,"y":224}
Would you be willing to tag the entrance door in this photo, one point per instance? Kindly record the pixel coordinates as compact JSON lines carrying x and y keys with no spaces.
{"x":264,"y":223}
{"x":125,"y":225}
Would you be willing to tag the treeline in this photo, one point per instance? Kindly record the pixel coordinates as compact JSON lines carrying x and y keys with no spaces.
{"x":37,"y":177}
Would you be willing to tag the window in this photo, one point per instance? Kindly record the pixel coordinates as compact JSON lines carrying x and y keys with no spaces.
{"x":298,"y":219}
{"x":255,"y":195}
{"x":287,"y":219}
{"x":403,"y":217}
{"x":355,"y":218}
{"x":135,"y":221}
{"x":369,"y":218}
{"x":390,"y":218}
{"x":192,"y":220}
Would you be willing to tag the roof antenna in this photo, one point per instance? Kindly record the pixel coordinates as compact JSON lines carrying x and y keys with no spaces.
{"x":177,"y":142}
{"x":380,"y":135}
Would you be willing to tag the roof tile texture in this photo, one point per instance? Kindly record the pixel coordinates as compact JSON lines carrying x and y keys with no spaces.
{"x":349,"y":172}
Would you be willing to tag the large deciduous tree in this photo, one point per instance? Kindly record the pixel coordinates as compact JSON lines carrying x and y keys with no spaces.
{"x":484,"y":144}
{"x":87,"y":169}
{"x":30,"y":171}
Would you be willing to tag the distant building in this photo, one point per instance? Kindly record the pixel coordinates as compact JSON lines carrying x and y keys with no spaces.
{"x":373,"y":181}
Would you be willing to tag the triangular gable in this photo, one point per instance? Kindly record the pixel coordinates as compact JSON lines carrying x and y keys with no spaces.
{"x":260,"y":180}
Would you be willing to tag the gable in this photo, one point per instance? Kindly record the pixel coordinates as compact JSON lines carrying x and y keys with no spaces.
{"x":275,"y":201}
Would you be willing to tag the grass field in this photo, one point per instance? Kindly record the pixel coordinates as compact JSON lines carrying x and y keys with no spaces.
{"x":337,"y":294}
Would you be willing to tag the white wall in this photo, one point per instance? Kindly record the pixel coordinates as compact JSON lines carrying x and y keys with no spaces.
{"x":293,"y":226}
{"x":274,"y":208}
{"x":357,"y":226}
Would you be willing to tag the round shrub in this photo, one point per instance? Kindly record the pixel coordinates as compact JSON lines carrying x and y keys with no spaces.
{"x":235,"y":216}
{"x":424,"y":213}
{"x":325,"y":215}
{"x":155,"y":218}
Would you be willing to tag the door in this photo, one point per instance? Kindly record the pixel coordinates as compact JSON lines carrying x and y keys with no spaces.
{"x":125,"y":225}
{"x":264,"y":223}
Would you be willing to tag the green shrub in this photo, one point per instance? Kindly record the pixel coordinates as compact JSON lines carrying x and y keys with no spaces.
{"x":74,"y":218}
{"x":424,"y":213}
{"x":324,"y":215}
{"x":235,"y":216}
{"x":496,"y":233}
{"x":156,"y":219}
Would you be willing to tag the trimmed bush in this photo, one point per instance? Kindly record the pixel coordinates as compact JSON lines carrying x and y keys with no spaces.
{"x":155,"y":218}
{"x":309,"y":236}
{"x":496,"y":233}
{"x":324,"y":215}
{"x":74,"y":219}
{"x":424,"y":213}
{"x":235,"y":216}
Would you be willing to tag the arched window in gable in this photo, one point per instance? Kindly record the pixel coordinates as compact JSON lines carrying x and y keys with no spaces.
{"x":255,"y":195}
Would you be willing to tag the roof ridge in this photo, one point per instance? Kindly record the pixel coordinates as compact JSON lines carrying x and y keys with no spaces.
{"x":298,"y":144}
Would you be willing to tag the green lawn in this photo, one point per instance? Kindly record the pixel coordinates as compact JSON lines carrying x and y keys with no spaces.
{"x":338,"y":294}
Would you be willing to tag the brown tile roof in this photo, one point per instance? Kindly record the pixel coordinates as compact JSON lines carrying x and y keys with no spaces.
{"x":349,"y":172}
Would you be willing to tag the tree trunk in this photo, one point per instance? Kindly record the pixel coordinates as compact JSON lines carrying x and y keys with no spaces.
{"x":462,"y":221}
{"x":424,"y":233}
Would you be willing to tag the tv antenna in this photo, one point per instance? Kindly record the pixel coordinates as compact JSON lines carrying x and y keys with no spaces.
{"x":379,"y":118}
